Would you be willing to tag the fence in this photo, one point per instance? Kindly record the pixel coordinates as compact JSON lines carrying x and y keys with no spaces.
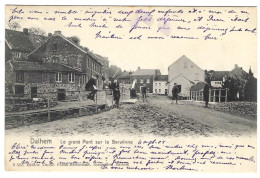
{"x":40,"y":104}
{"x":215,"y":95}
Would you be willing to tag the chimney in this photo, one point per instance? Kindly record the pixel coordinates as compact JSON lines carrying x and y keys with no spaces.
{"x":139,"y":67}
{"x":236,"y":66}
{"x":26,"y":31}
{"x":49,"y":34}
{"x":57,"y":33}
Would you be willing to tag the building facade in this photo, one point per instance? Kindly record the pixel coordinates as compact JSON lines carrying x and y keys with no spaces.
{"x":58,"y":65}
{"x":125,"y":77}
{"x":160,"y":85}
{"x":185,"y":73}
{"x":143,"y":77}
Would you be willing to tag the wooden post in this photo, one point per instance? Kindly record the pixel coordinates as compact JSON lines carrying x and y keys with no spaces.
{"x":219,"y":95}
{"x":96,"y":101}
{"x":209,"y":95}
{"x":49,"y":114}
{"x":226,"y":95}
{"x":214,"y":95}
{"x":202,"y":96}
{"x":79,"y":102}
{"x":196,"y":95}
{"x":106,"y":98}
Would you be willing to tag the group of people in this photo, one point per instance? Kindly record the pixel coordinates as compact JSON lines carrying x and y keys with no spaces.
{"x":91,"y":86}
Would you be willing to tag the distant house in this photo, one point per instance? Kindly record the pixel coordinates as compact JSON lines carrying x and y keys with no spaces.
{"x":144,"y":76}
{"x":185,"y":73}
{"x":160,"y":85}
{"x":19,"y":44}
{"x":242,"y":85}
{"x":125,"y":77}
{"x":217,"y":78}
{"x":105,"y":66}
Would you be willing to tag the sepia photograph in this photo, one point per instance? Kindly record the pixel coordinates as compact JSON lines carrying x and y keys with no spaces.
{"x":130,"y":88}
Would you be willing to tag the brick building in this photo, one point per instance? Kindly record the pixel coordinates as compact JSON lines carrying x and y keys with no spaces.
{"x":125,"y":77}
{"x":144,"y":76}
{"x":58,"y":65}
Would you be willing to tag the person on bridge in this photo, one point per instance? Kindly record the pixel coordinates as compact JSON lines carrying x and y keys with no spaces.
{"x":206,"y":93}
{"x":91,"y":86}
{"x":175,"y":91}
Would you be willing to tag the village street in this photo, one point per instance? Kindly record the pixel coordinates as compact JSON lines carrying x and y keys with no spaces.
{"x":156,"y":116}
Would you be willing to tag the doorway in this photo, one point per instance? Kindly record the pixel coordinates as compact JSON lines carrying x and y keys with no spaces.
{"x":61,"y":94}
{"x":33,"y":92}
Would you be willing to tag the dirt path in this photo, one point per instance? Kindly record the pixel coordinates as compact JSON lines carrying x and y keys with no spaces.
{"x":156,"y":116}
{"x":220,"y":122}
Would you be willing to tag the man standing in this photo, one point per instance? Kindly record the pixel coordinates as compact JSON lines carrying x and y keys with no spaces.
{"x":206,"y":94}
{"x":144,"y":90}
{"x":116,"y":92}
{"x":175,"y":91}
{"x":91,"y":86}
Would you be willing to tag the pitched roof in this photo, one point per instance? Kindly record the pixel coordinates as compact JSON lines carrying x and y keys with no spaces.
{"x":37,"y":40}
{"x":125,"y":74}
{"x":161,"y":78}
{"x":18,"y":40}
{"x":218,"y":75}
{"x":101,"y":57}
{"x":141,"y":72}
{"x":82,"y":49}
{"x":239,"y":72}
{"x":198,"y":87}
{"x":184,"y":58}
{"x":35,"y":66}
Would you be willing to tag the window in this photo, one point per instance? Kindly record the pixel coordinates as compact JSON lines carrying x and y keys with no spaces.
{"x":19,"y":77}
{"x":141,"y":80}
{"x":55,"y":46}
{"x":159,"y":90}
{"x":88,"y":63}
{"x":71,"y":77}
{"x":58,"y":77}
{"x":155,"y":84}
{"x":159,"y":84}
{"x":83,"y":78}
{"x":185,"y":64}
{"x":155,"y":90}
{"x":165,"y":83}
{"x":148,"y":80}
{"x":17,"y":54}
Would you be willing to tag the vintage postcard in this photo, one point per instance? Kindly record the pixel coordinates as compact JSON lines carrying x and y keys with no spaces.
{"x":130,"y":88}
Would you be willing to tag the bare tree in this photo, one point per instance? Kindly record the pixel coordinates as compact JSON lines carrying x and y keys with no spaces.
{"x":36,"y":31}
{"x":14,"y":25}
